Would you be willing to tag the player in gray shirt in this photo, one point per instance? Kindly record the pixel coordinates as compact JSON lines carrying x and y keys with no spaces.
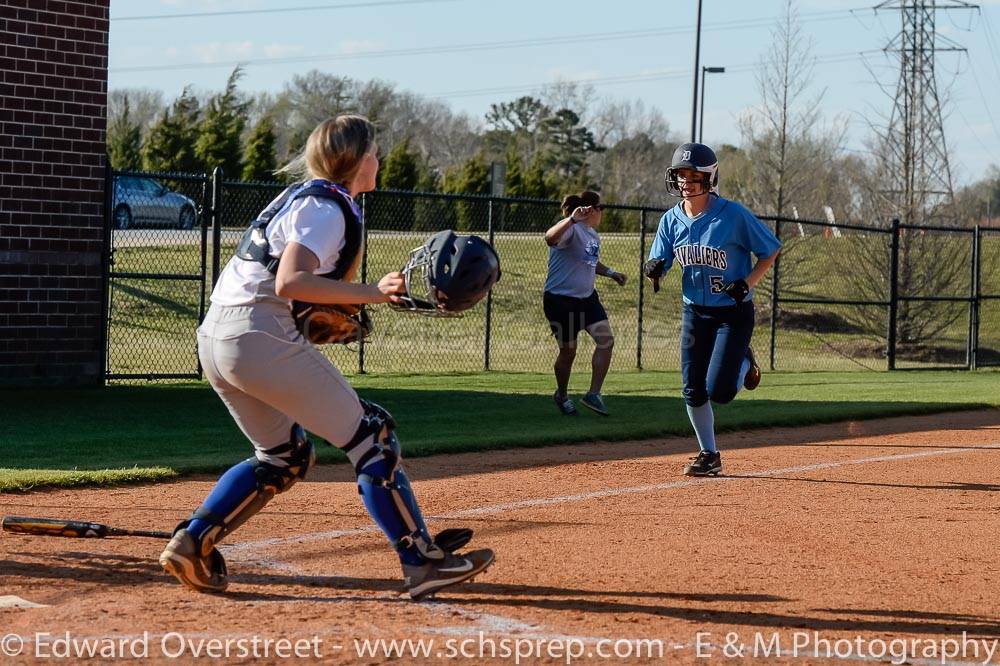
{"x":570,"y":300}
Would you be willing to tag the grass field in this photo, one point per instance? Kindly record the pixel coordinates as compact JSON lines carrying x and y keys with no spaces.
{"x":153,"y":321}
{"x":130,"y":433}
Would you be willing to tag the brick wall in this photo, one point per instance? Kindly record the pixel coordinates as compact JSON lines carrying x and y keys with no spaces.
{"x":53,"y":97}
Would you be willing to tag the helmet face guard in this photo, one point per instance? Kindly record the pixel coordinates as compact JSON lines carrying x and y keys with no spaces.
{"x":696,"y":157}
{"x":674,"y":186}
{"x":421,"y":296}
{"x":448,"y":274}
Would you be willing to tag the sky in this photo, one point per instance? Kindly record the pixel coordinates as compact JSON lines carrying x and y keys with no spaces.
{"x":472,"y":53}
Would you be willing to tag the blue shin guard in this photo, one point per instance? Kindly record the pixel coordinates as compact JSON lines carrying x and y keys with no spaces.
{"x":385,"y":488}
{"x":393,"y":507}
{"x":248,"y":486}
{"x":238,"y":483}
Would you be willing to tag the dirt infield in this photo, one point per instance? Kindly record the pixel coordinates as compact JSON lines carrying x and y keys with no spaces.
{"x":873,"y":531}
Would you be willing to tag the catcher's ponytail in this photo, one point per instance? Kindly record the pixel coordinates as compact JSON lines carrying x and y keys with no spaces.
{"x":334,"y":150}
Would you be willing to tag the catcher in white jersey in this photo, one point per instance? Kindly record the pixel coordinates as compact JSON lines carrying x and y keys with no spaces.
{"x":254,"y":345}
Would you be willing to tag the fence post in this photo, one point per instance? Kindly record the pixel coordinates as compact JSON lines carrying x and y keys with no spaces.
{"x":642,"y":287}
{"x":204,"y":215}
{"x":106,"y":258}
{"x":364,"y":278}
{"x":775,"y":274}
{"x":974,"y":303}
{"x":489,"y":296}
{"x":890,"y":352}
{"x":216,"y":223}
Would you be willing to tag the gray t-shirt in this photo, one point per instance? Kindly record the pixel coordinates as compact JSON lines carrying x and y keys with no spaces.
{"x":573,"y":262}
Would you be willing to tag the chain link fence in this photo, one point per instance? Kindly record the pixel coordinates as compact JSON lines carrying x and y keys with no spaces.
{"x":157,"y":279}
{"x":828,"y":304}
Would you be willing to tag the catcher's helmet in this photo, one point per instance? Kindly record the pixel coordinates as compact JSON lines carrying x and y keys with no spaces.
{"x":449,"y":274}
{"x":695,"y":156}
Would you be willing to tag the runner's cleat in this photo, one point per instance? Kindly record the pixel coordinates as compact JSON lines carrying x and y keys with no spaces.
{"x":704,"y":464}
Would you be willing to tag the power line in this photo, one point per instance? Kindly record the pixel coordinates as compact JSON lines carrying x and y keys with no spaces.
{"x":659,"y":75}
{"x":485,"y":46}
{"x":982,"y":97}
{"x":283,"y":10}
{"x":990,"y":43}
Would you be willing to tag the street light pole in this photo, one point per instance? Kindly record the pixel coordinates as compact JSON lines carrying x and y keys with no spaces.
{"x":697,"y":63}
{"x":701,"y":121}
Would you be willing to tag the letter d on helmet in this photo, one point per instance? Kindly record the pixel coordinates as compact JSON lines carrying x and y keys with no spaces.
{"x":449,"y":274}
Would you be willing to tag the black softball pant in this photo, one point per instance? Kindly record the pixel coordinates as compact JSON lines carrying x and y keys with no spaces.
{"x":714,"y":343}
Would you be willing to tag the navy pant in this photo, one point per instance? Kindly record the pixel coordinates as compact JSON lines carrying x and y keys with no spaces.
{"x":714,"y":342}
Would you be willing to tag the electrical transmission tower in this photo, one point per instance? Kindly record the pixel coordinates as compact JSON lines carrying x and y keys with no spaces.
{"x":919,"y":188}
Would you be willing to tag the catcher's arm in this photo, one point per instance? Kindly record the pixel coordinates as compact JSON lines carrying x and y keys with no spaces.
{"x":295,"y":280}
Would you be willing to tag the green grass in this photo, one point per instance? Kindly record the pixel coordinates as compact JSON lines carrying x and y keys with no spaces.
{"x":143,"y":433}
{"x":23,"y":480}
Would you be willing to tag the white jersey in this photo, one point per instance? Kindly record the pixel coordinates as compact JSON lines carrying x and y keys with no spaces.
{"x":315,"y":223}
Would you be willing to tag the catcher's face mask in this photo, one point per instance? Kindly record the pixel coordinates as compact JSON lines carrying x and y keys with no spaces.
{"x":449,"y":274}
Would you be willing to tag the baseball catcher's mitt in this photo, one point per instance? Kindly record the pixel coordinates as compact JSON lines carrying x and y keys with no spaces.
{"x":323,"y":324}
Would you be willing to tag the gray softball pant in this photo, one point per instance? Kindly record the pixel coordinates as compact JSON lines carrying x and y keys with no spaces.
{"x":270,"y":377}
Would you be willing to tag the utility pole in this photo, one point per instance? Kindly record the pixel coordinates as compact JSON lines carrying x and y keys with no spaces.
{"x":697,"y":63}
{"x":918,"y":168}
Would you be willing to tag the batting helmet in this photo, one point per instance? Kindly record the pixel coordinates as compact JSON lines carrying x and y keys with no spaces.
{"x":449,"y":274}
{"x":695,"y":156}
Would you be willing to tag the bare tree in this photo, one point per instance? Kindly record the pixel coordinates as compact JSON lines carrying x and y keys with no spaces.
{"x":145,"y":105}
{"x":784,"y":136}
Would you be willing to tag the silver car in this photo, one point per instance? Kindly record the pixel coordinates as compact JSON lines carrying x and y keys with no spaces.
{"x":145,"y":202}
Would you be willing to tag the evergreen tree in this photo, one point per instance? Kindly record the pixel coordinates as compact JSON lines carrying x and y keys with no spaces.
{"x":537,"y":184}
{"x":472,"y":178}
{"x":170,"y":144}
{"x":515,"y":176}
{"x":218,"y":143}
{"x":401,"y":170}
{"x":568,"y":144}
{"x":124,"y":140}
{"x":431,"y":214}
{"x":258,"y":156}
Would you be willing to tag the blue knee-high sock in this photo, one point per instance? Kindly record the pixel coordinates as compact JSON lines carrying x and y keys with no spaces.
{"x":703,"y":421}
{"x":229,"y":492}
{"x":744,"y":369}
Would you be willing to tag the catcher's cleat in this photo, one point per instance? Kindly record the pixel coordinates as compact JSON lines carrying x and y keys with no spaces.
{"x":453,"y":538}
{"x":183,"y":560}
{"x":704,"y":464}
{"x":565,"y":404}
{"x":593,"y":401}
{"x":752,"y":378}
{"x":433,"y":575}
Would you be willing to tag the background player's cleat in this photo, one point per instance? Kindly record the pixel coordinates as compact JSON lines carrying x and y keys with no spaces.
{"x":183,"y":560}
{"x":704,"y":464}
{"x":453,"y":538}
{"x":752,"y":378}
{"x":593,"y":401}
{"x":431,"y":576}
{"x":564,"y":404}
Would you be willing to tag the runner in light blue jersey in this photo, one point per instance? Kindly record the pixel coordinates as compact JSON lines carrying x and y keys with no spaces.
{"x":712,"y":239}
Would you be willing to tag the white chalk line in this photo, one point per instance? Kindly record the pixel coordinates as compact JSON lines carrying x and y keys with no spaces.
{"x":239,"y":548}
